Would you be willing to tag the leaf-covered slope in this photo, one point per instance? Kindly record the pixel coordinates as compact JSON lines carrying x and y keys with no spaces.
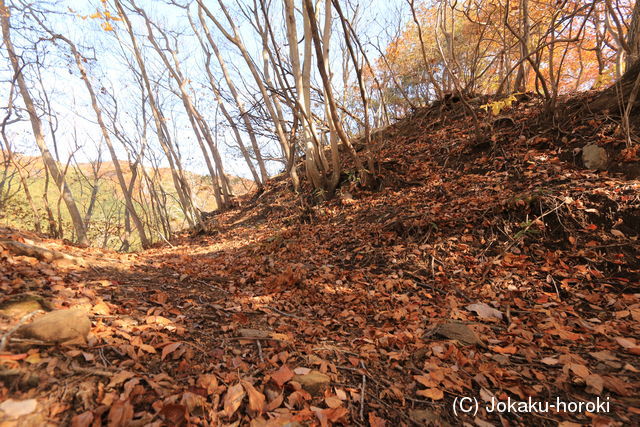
{"x":494,"y":270}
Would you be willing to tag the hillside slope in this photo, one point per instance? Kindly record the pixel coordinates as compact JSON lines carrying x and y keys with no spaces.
{"x":493,"y":270}
{"x":105,"y":225}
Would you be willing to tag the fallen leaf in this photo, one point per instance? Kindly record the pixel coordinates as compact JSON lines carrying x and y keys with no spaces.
{"x":119,"y":378}
{"x":168,"y":349}
{"x":431,"y":393}
{"x":376,"y":421}
{"x":174,"y":413}
{"x":233,"y":399}
{"x":208,"y":381}
{"x":82,"y":420}
{"x":550,"y":361}
{"x":595,"y":384}
{"x":485,"y":311}
{"x":282,"y":375}
{"x":256,"y":399}
{"x":333,"y":402}
{"x":120,"y":414}
{"x":511,"y":349}
{"x":580,"y":370}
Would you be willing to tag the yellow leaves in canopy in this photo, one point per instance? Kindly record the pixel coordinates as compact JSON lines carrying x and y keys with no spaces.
{"x":500,"y":105}
{"x":106,"y":16}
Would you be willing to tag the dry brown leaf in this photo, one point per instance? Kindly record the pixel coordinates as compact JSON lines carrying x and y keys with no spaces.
{"x":120,"y":414}
{"x":426,"y":381}
{"x":209,"y":382}
{"x":333,"y":402}
{"x":282,"y":375}
{"x":431,"y":393}
{"x":120,"y":377}
{"x":580,"y":370}
{"x":485,"y":311}
{"x":233,"y":400}
{"x":595,"y":384}
{"x":170,"y":348}
{"x":275,"y":403}
{"x":256,"y":399}
{"x":84,"y":419}
{"x":174,"y":413}
{"x":376,"y":421}
{"x":511,"y":349}
{"x":549,"y":361}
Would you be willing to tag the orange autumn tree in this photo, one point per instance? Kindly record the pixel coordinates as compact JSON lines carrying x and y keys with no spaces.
{"x":501,"y":47}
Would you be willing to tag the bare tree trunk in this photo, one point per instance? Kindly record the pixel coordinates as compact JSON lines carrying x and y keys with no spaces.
{"x":633,"y":36}
{"x":107,"y":138}
{"x":8,"y":152}
{"x":423,"y":51}
{"x":322,"y":63}
{"x":195,"y":119}
{"x":239,"y":104}
{"x":191,"y":214}
{"x":269,"y":102}
{"x":36,"y":126}
{"x":521,"y":77}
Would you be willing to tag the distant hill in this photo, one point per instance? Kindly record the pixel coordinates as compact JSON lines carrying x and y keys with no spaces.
{"x":105,"y":227}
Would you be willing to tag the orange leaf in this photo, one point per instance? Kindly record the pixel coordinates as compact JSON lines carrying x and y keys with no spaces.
{"x":82,"y":420}
{"x":511,"y":349}
{"x":208,"y":382}
{"x":282,"y":375}
{"x":376,"y":421}
{"x":121,"y":413}
{"x":13,"y":356}
{"x":333,"y":402}
{"x":426,"y":381}
{"x":431,"y":393}
{"x":168,"y":349}
{"x":233,"y":399}
{"x":580,"y":370}
{"x":256,"y":399}
{"x":174,"y":413}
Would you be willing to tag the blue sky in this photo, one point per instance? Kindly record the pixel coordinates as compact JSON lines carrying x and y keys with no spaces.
{"x":77,"y":131}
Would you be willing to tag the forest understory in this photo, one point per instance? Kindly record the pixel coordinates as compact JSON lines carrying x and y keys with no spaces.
{"x":492,"y":270}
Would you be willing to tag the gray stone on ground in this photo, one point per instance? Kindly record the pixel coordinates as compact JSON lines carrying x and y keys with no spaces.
{"x":594,"y":157}
{"x":58,"y":326}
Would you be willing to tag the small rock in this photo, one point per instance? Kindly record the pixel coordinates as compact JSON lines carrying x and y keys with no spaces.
{"x":314,"y":382}
{"x":18,"y":408}
{"x":19,"y":305}
{"x":58,"y":326}
{"x":594,"y":157}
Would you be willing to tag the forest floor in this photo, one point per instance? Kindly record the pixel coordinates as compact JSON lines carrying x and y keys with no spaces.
{"x":494,"y":271}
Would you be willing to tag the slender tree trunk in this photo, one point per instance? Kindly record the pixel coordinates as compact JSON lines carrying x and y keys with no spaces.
{"x":633,"y":36}
{"x":107,"y":138}
{"x":239,"y":104}
{"x":270,"y":102}
{"x":36,"y":126}
{"x":181,"y":186}
{"x":521,"y":77}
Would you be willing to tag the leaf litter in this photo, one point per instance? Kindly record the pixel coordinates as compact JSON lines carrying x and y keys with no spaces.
{"x":503,"y":271}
